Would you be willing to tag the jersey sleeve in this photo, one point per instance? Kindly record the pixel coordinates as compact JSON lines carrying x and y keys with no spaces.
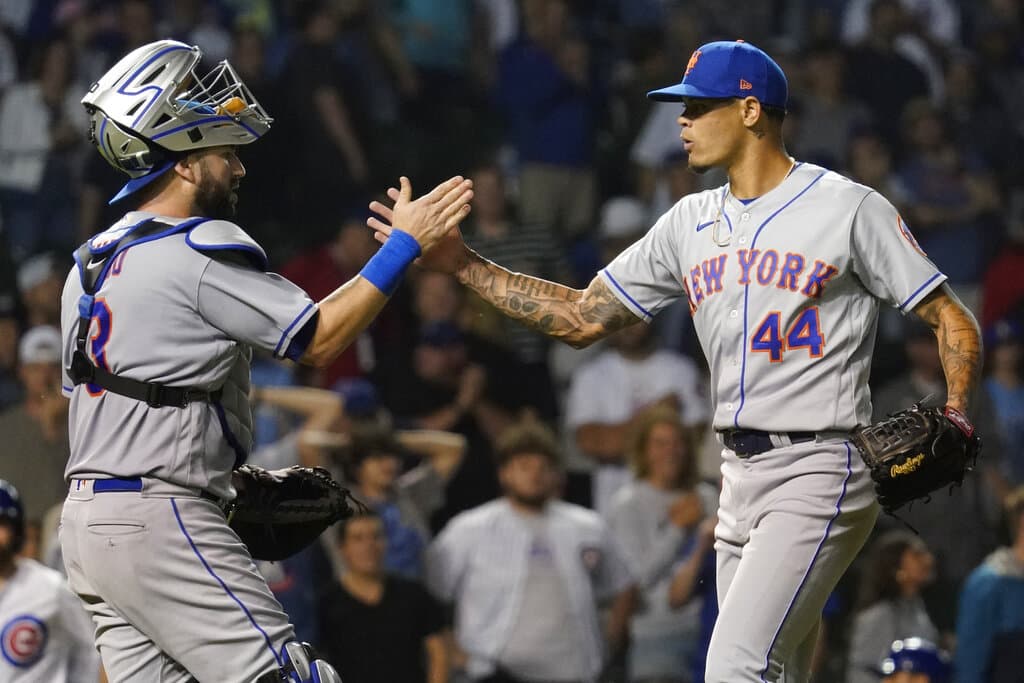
{"x":644,"y":277}
{"x":261,"y":309}
{"x":886,"y":257}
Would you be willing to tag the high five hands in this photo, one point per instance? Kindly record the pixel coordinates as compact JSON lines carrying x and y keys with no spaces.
{"x":432,"y":220}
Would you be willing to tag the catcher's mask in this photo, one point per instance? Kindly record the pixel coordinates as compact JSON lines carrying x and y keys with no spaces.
{"x":153,"y":106}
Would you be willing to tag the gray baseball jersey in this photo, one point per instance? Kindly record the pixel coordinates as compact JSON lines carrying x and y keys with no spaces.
{"x":786,"y":309}
{"x":174,"y":594}
{"x":167,"y":312}
{"x":784,"y":292}
{"x":45,"y":635}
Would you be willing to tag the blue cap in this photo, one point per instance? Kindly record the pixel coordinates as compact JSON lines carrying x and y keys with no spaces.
{"x":920,"y":656}
{"x":361,"y":399}
{"x":136,"y":184}
{"x":729,"y":69}
{"x":1005,"y":331}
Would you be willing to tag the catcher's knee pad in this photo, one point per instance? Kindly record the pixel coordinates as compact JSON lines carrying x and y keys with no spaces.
{"x":301,"y":665}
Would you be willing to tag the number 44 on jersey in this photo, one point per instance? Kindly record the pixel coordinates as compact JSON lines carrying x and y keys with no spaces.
{"x":805,"y":332}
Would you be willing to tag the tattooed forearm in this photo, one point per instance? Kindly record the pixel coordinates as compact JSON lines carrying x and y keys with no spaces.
{"x":577,"y":317}
{"x":959,"y":343}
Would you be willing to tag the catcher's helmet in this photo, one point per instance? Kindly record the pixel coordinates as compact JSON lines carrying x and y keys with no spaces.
{"x":152,"y":106}
{"x":11,"y":509}
{"x":917,"y":655}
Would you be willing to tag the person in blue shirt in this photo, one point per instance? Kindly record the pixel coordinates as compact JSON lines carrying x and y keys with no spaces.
{"x":990,"y":625}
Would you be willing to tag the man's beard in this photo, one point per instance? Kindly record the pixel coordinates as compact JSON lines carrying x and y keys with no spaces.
{"x":536,"y":502}
{"x":7,"y":556}
{"x":213,"y":200}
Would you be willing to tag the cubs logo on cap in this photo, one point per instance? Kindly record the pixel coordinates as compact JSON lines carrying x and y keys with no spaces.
{"x":23,"y":640}
{"x":729,"y":69}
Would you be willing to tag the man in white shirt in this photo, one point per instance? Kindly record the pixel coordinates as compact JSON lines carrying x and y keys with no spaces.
{"x":609,"y":391}
{"x":527,"y":573}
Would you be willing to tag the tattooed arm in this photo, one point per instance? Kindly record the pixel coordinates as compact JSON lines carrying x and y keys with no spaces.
{"x":959,"y":343}
{"x":576,"y":317}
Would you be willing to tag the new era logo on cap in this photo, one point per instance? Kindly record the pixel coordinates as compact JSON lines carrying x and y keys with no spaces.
{"x":729,"y":69}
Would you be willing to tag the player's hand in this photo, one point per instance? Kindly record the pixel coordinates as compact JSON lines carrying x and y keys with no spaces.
{"x":686,"y":511}
{"x":427,"y":219}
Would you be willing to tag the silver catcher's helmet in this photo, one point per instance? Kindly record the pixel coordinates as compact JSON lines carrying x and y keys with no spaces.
{"x":152,"y":106}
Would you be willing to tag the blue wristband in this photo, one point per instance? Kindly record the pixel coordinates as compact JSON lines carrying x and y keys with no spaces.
{"x":384,"y":271}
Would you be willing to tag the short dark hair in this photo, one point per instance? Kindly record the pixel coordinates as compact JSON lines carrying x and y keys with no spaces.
{"x":367,"y":439}
{"x":527,"y":439}
{"x":361,"y":514}
{"x":1014,"y":505}
{"x":774,"y":113}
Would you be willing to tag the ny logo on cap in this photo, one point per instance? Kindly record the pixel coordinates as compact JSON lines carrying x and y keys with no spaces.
{"x":692,"y":63}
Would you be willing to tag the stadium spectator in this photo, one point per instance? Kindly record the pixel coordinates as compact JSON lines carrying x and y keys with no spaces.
{"x":990,"y":626}
{"x":35,"y":431}
{"x":1003,"y":287}
{"x":47,"y":635}
{"x":377,"y":627}
{"x":1005,"y":388}
{"x":889,"y":606}
{"x":916,"y":660}
{"x":664,"y":521}
{"x":10,"y":386}
{"x":322,"y":121}
{"x":876,"y":54}
{"x":42,"y":126}
{"x":951,"y":200}
{"x":445,"y":390}
{"x":546,"y":92}
{"x":404,"y":503}
{"x":609,"y":392}
{"x":828,"y":115}
{"x":497,"y":235}
{"x":959,"y":526}
{"x":320,"y":269}
{"x":40,"y":280}
{"x":527,"y":572}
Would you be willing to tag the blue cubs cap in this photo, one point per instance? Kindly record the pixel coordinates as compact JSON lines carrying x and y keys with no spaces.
{"x":729,"y":69}
{"x":919,"y":656}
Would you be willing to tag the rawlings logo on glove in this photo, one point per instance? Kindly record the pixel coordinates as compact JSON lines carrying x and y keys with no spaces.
{"x":914,"y":452}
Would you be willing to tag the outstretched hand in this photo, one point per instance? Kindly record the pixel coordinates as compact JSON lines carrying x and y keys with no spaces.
{"x":432,"y":220}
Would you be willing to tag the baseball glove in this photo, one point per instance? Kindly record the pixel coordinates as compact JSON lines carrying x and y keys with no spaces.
{"x":917,"y":451}
{"x":277,"y":513}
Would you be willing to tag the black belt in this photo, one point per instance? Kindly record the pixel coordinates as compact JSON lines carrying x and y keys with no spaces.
{"x":133,"y":484}
{"x":747,"y":442}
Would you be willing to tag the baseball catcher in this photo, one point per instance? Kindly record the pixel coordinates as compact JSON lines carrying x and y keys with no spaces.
{"x":917,"y":451}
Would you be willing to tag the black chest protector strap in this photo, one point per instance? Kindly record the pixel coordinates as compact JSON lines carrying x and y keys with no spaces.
{"x":93,"y":265}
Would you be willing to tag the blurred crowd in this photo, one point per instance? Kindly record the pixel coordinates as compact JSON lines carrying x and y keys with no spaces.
{"x":541,"y":513}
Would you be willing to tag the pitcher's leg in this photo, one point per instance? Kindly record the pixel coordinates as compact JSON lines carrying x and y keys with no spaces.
{"x":788,"y":567}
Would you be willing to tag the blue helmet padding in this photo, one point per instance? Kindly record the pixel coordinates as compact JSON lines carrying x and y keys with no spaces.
{"x":917,"y":655}
{"x":136,"y":184}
